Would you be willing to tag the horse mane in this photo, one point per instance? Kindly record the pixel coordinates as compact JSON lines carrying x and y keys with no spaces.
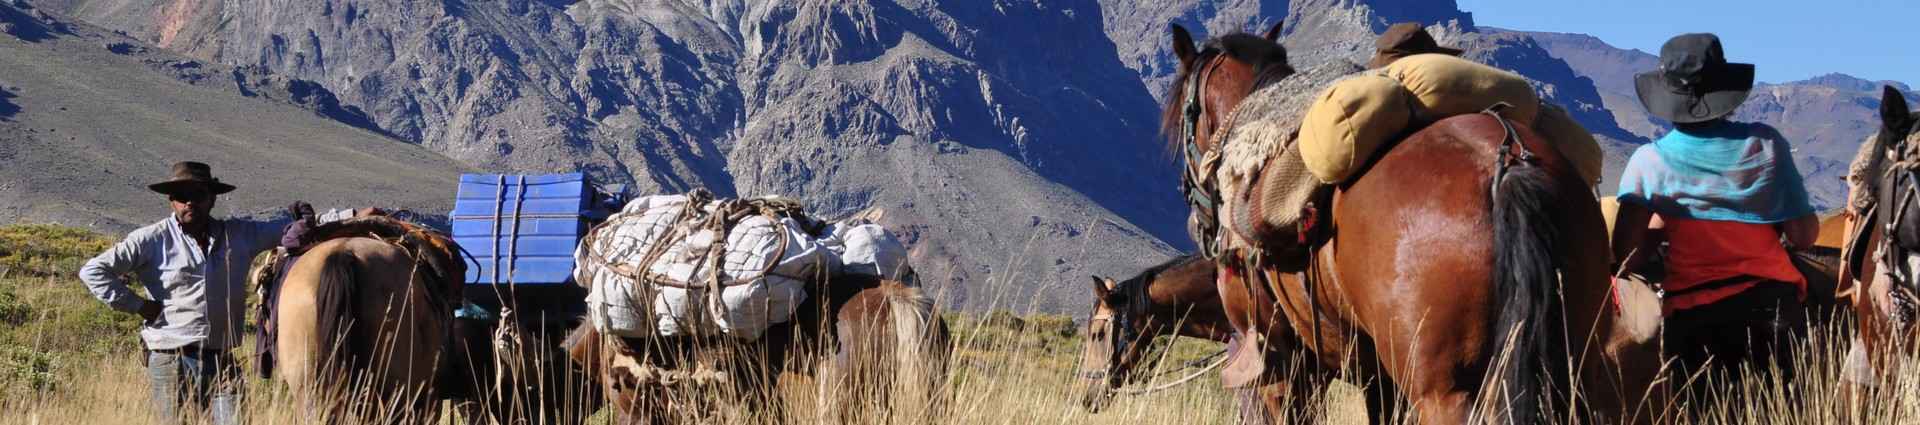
{"x":1268,"y":59}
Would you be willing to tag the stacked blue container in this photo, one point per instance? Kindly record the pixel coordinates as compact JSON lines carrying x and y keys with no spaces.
{"x":523,"y":229}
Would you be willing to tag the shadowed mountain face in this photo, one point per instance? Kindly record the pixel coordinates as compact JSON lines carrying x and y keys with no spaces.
{"x":88,"y":118}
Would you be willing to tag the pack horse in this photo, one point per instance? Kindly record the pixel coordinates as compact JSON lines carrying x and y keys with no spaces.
{"x":697,"y":304}
{"x":1491,"y":330}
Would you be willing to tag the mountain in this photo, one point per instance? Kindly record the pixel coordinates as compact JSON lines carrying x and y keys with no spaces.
{"x":1004,"y":138}
{"x":1012,"y":142}
{"x":1317,"y":31}
{"x":89,"y":117}
{"x":1825,"y":118}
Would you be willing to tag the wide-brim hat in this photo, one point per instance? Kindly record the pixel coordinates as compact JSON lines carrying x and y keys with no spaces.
{"x":1405,"y":39}
{"x":191,"y":175}
{"x":1695,"y":83}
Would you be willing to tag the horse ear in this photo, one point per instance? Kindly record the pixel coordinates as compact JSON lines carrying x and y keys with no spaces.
{"x":1893,"y":110}
{"x":1100,"y":288}
{"x":1273,"y":34}
{"x":1183,"y":46}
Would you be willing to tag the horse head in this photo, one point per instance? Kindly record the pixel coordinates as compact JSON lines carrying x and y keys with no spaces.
{"x":1119,"y":330}
{"x":1213,"y":79}
{"x":1899,"y":188}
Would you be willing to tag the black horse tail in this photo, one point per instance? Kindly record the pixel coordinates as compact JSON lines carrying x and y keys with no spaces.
{"x":1526,"y":284}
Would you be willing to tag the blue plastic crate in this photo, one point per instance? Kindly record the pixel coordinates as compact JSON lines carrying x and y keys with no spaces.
{"x":522,"y":229}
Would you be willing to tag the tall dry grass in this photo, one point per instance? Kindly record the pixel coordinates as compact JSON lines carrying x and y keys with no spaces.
{"x":66,"y":359}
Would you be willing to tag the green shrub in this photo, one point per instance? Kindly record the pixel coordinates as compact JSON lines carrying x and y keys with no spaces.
{"x":47,"y":250}
{"x":25,"y":371}
{"x":13,"y":310}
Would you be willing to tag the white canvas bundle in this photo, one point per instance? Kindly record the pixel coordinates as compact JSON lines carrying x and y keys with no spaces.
{"x":869,"y":249}
{"x":763,"y":284}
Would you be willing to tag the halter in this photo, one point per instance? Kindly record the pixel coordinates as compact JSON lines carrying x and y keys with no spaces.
{"x":1124,"y":334}
{"x":1907,"y":184}
{"x":1202,"y":197}
{"x":1120,"y":330}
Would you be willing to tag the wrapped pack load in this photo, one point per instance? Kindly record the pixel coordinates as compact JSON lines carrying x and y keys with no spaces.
{"x":1573,"y":140}
{"x":868,"y":249}
{"x":755,"y":278}
{"x":1446,"y":85}
{"x":1350,"y":120}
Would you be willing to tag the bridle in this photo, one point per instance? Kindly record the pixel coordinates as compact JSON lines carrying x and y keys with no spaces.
{"x":1903,"y":173}
{"x":1122,"y":335}
{"x":1195,"y":179}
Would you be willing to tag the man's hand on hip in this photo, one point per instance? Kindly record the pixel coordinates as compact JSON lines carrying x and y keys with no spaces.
{"x":150,"y":310}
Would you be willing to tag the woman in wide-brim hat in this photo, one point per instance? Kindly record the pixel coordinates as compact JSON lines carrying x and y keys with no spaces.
{"x":1724,"y":193}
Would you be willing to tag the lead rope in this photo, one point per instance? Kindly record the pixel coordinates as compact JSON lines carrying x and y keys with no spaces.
{"x":1221,"y":360}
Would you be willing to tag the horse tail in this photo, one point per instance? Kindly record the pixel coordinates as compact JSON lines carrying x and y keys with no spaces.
{"x":1525,"y":282}
{"x":314,"y":303}
{"x":919,"y":352}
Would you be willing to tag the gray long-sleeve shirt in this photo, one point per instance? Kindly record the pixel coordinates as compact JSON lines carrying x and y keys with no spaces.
{"x":203,"y":292}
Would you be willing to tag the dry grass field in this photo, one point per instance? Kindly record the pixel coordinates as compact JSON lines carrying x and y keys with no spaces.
{"x":64,"y":358}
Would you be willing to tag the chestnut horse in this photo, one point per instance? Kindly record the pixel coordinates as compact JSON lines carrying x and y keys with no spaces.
{"x":1884,"y":301}
{"x":1468,"y":267}
{"x":363,"y":321}
{"x":1173,"y":298}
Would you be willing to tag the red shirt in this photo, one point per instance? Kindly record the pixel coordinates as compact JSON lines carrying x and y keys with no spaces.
{"x":1703,"y":251}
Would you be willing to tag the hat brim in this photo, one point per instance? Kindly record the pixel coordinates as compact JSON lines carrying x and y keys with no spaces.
{"x":1666,"y":101}
{"x":172,"y":187}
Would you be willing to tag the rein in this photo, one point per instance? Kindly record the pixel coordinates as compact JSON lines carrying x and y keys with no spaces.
{"x":1221,"y":360}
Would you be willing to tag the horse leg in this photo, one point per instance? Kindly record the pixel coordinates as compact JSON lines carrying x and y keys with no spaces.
{"x":1383,"y":402}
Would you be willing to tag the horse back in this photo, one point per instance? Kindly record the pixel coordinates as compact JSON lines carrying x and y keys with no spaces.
{"x":349,"y":304}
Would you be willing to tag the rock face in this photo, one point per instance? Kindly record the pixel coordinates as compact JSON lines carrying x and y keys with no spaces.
{"x":1004,"y":135}
{"x":1013,"y":141}
{"x":88,"y":118}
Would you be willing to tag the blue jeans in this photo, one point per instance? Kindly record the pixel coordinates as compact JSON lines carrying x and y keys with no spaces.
{"x":206,"y":380}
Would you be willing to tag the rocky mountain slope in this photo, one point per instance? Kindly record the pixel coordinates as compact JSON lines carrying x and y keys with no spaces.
{"x":1013,"y":141}
{"x":1004,"y":136}
{"x":1316,"y":31}
{"x":1826,"y":117}
{"x":88,"y":118}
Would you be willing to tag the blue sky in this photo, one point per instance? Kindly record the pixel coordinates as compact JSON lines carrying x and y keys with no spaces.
{"x":1786,"y":40}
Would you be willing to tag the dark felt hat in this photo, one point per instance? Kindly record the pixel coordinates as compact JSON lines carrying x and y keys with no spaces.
{"x":1695,"y":83}
{"x":1405,"y":39}
{"x":191,"y":175}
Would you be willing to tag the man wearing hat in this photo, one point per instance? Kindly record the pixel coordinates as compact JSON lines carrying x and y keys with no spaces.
{"x":1721,"y":194}
{"x":193,"y":267}
{"x":1402,"y":40}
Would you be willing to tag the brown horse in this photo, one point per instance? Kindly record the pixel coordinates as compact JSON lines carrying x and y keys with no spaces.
{"x":891,"y":361}
{"x":363,"y":318}
{"x":1174,"y":298}
{"x":891,"y":346}
{"x":1475,"y":281}
{"x":1884,"y":301}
